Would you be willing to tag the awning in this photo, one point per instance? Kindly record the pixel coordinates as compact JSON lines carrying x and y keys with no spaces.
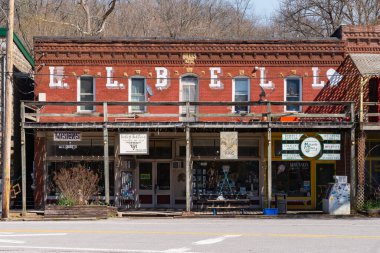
{"x":367,"y":64}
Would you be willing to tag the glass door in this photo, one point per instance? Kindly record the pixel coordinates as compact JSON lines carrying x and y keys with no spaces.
{"x":325,"y":173}
{"x":163,"y":187}
{"x":146,"y":190}
{"x":154,"y":185}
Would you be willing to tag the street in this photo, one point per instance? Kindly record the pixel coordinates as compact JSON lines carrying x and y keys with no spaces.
{"x":192,"y":235}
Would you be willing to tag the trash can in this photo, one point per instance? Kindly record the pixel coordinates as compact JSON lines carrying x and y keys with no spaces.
{"x":281,"y":203}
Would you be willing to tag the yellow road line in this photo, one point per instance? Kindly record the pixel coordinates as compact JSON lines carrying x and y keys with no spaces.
{"x":142,"y":232}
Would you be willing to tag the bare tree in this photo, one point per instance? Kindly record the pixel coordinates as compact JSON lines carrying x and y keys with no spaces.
{"x":310,"y":18}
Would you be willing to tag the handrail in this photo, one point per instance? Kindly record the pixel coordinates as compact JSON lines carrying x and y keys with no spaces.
{"x":267,"y":111}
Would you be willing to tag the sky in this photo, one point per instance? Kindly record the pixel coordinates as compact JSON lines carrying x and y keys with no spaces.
{"x":265,"y":7}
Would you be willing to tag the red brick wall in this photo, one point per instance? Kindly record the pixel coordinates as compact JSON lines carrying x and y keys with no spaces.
{"x":274,"y":74}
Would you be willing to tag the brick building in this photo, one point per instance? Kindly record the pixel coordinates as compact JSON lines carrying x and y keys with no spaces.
{"x":177,"y":123}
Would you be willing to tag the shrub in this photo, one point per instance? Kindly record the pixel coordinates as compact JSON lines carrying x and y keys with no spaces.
{"x":372,"y":204}
{"x":76,"y":185}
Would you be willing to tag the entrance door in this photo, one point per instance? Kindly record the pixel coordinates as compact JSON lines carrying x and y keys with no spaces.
{"x":154,"y":184}
{"x":325,"y":173}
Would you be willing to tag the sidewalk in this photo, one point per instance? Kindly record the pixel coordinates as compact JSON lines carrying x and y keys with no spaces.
{"x":33,"y":215}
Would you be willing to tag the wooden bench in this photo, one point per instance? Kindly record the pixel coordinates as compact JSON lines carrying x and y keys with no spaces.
{"x":226,"y":208}
{"x":227,"y":204}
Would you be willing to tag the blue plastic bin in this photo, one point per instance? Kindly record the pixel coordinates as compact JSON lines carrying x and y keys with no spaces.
{"x":270,"y":211}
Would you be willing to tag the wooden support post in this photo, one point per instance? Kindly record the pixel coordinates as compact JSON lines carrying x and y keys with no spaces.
{"x":23,"y":159}
{"x":188,"y":170}
{"x":106,"y":156}
{"x":269,"y":174}
{"x":353,"y":169}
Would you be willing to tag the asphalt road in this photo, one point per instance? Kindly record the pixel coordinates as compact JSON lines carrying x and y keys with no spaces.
{"x":192,"y":235}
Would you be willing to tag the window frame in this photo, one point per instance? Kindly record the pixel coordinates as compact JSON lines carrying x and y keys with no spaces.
{"x":300,"y":93}
{"x":197,"y":93}
{"x":79,"y":85}
{"x":130,"y":108}
{"x":234,"y":92}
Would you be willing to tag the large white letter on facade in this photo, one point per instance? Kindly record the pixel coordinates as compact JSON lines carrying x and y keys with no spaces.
{"x":316,"y":83}
{"x":334,"y":77}
{"x":110,"y":83}
{"x":263,"y":83}
{"x":56,"y":77}
{"x":162,"y":78}
{"x":215,"y":82}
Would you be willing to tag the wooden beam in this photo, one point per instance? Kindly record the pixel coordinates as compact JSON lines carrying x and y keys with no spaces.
{"x":269,"y":171}
{"x":23,"y":160}
{"x":188,"y":171}
{"x":106,"y":156}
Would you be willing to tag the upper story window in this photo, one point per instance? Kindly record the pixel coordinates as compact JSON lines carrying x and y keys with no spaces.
{"x":189,"y":93}
{"x":137,"y":93}
{"x":293,"y":91}
{"x":86,"y":92}
{"x":240,"y":93}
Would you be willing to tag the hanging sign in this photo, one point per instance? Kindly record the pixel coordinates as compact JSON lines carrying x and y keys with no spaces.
{"x":330,"y":137}
{"x":310,"y":147}
{"x":298,"y":146}
{"x":134,"y":144}
{"x":73,"y":147}
{"x":67,"y":136}
{"x":331,"y":146}
{"x":228,"y":145}
{"x":290,"y":146}
{"x":291,"y":137}
{"x":291,"y":157}
{"x":330,"y":156}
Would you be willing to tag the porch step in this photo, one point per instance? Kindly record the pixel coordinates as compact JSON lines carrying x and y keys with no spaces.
{"x":148,"y":213}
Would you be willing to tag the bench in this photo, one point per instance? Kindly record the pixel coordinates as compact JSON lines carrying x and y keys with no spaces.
{"x":227,"y":208}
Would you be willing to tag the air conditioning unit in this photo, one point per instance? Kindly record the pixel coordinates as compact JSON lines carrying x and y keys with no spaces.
{"x":177,"y":164}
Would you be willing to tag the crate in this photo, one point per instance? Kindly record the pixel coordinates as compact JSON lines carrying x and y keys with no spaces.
{"x":270,"y":211}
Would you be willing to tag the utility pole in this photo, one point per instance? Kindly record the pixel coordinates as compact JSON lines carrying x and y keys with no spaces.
{"x":8,"y":114}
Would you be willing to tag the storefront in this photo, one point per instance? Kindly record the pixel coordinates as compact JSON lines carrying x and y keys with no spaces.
{"x":159,"y":178}
{"x":303,"y":175}
{"x":68,"y":149}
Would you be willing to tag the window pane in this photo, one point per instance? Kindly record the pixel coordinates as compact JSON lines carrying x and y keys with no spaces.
{"x":138,"y":93}
{"x":241,"y":93}
{"x":145,"y":176}
{"x":163,"y":176}
{"x":293,"y":87}
{"x":292,"y":178}
{"x":138,"y":86}
{"x":241,"y":85}
{"x":86,"y":85}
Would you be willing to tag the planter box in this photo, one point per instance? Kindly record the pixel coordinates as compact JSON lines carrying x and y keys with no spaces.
{"x":99,"y":212}
{"x":373,"y":212}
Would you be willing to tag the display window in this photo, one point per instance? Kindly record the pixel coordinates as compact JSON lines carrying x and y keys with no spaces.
{"x":291,"y":178}
{"x":97,"y":166}
{"x":228,"y":179}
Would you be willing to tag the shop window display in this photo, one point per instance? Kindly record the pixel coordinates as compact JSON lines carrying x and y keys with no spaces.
{"x":212,"y":179}
{"x":291,"y":178}
{"x":98,"y":167}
